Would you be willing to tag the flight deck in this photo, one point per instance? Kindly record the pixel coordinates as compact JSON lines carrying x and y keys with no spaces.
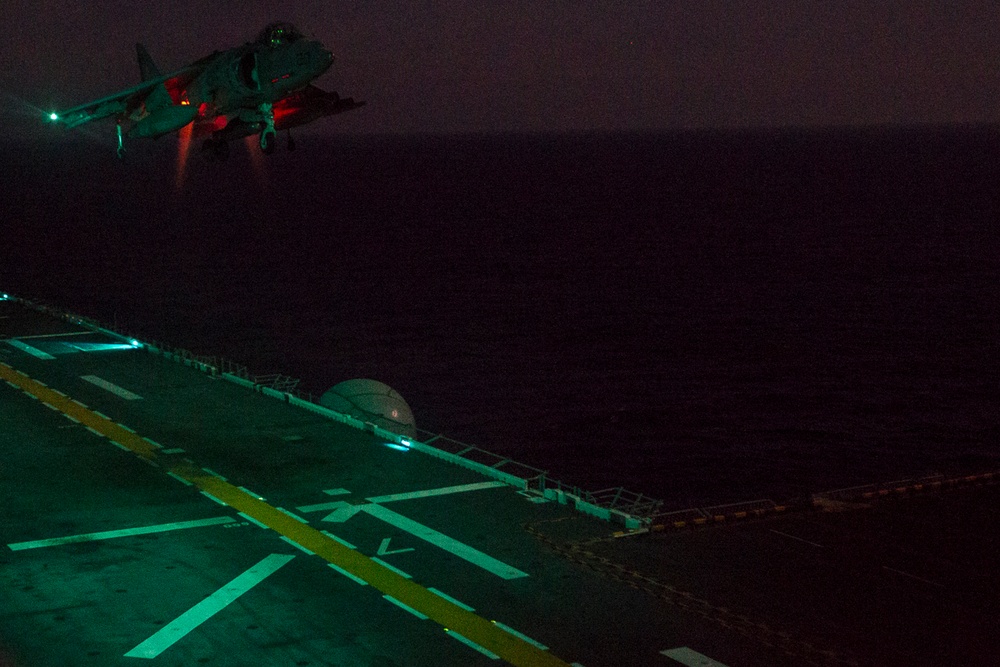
{"x":159,"y":510}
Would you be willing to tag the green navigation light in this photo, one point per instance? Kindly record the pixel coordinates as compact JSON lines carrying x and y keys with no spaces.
{"x":53,"y":116}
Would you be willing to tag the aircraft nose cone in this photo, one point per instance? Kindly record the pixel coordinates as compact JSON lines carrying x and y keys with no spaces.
{"x":325,"y":60}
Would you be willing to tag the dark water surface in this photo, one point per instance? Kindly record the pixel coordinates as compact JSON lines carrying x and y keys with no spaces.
{"x":702,"y":317}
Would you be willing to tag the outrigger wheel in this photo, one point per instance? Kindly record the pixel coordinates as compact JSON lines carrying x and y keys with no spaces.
{"x":267,"y":143}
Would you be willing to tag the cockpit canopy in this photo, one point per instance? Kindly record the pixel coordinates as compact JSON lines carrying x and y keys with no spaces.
{"x":279,"y":33}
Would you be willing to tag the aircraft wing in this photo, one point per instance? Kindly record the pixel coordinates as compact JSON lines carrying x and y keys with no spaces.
{"x":308,"y":105}
{"x":126,"y":100}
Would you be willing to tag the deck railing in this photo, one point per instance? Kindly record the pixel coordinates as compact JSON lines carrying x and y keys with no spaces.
{"x":635,"y":510}
{"x":632,"y":509}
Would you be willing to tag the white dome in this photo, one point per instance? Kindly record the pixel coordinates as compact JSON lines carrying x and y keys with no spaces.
{"x":372,"y":401}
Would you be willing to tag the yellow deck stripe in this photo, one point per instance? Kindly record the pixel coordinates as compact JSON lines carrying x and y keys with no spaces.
{"x":77,"y":411}
{"x":512,"y":649}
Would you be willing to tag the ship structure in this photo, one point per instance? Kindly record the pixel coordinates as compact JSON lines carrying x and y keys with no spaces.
{"x":165,"y":509}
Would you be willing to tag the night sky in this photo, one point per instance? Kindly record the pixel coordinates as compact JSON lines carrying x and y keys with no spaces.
{"x":457,"y":66}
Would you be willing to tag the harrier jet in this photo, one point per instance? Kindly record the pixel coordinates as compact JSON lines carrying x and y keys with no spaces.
{"x":262,"y":87}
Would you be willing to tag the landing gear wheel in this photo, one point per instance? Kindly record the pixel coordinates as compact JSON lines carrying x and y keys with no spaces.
{"x":121,"y":145}
{"x":267,"y":142}
{"x":291,"y":142}
{"x":267,"y":134}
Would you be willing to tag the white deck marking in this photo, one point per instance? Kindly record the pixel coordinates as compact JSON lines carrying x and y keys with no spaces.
{"x":445,"y":490}
{"x":336,"y":492}
{"x":110,"y":386}
{"x":98,"y":347}
{"x":291,"y":514}
{"x":691,"y":658}
{"x":251,"y":519}
{"x":422,"y":617}
{"x":211,"y":497}
{"x":450,"y":599}
{"x":341,"y":540}
{"x":383,"y":549}
{"x":778,"y":532}
{"x":468,"y":642}
{"x":297,"y":545}
{"x":33,"y":351}
{"x":109,"y":534}
{"x":175,"y":450}
{"x":57,"y":335}
{"x":343,"y":514}
{"x":348,"y":574}
{"x":442,"y":541}
{"x":319,"y":507}
{"x":520,"y":635}
{"x":180,"y":479}
{"x":207,"y":608}
{"x":391,"y":567}
{"x":342,"y":511}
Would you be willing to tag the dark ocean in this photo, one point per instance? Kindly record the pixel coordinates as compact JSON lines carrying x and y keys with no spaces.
{"x":702,"y":317}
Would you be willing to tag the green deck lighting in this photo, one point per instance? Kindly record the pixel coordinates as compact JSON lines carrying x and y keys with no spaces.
{"x":53,"y":116}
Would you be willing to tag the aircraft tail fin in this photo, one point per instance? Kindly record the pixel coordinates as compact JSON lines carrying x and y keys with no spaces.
{"x":147,"y":68}
{"x":158,"y":98}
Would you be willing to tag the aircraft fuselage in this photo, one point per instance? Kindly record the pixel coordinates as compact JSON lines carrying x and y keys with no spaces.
{"x":254,"y":74}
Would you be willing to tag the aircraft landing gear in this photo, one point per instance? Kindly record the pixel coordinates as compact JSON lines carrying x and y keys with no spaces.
{"x":291,"y":142}
{"x":267,"y":141}
{"x":267,"y":135}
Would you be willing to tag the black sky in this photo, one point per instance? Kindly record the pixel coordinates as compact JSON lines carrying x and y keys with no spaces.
{"x":557,"y":65}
